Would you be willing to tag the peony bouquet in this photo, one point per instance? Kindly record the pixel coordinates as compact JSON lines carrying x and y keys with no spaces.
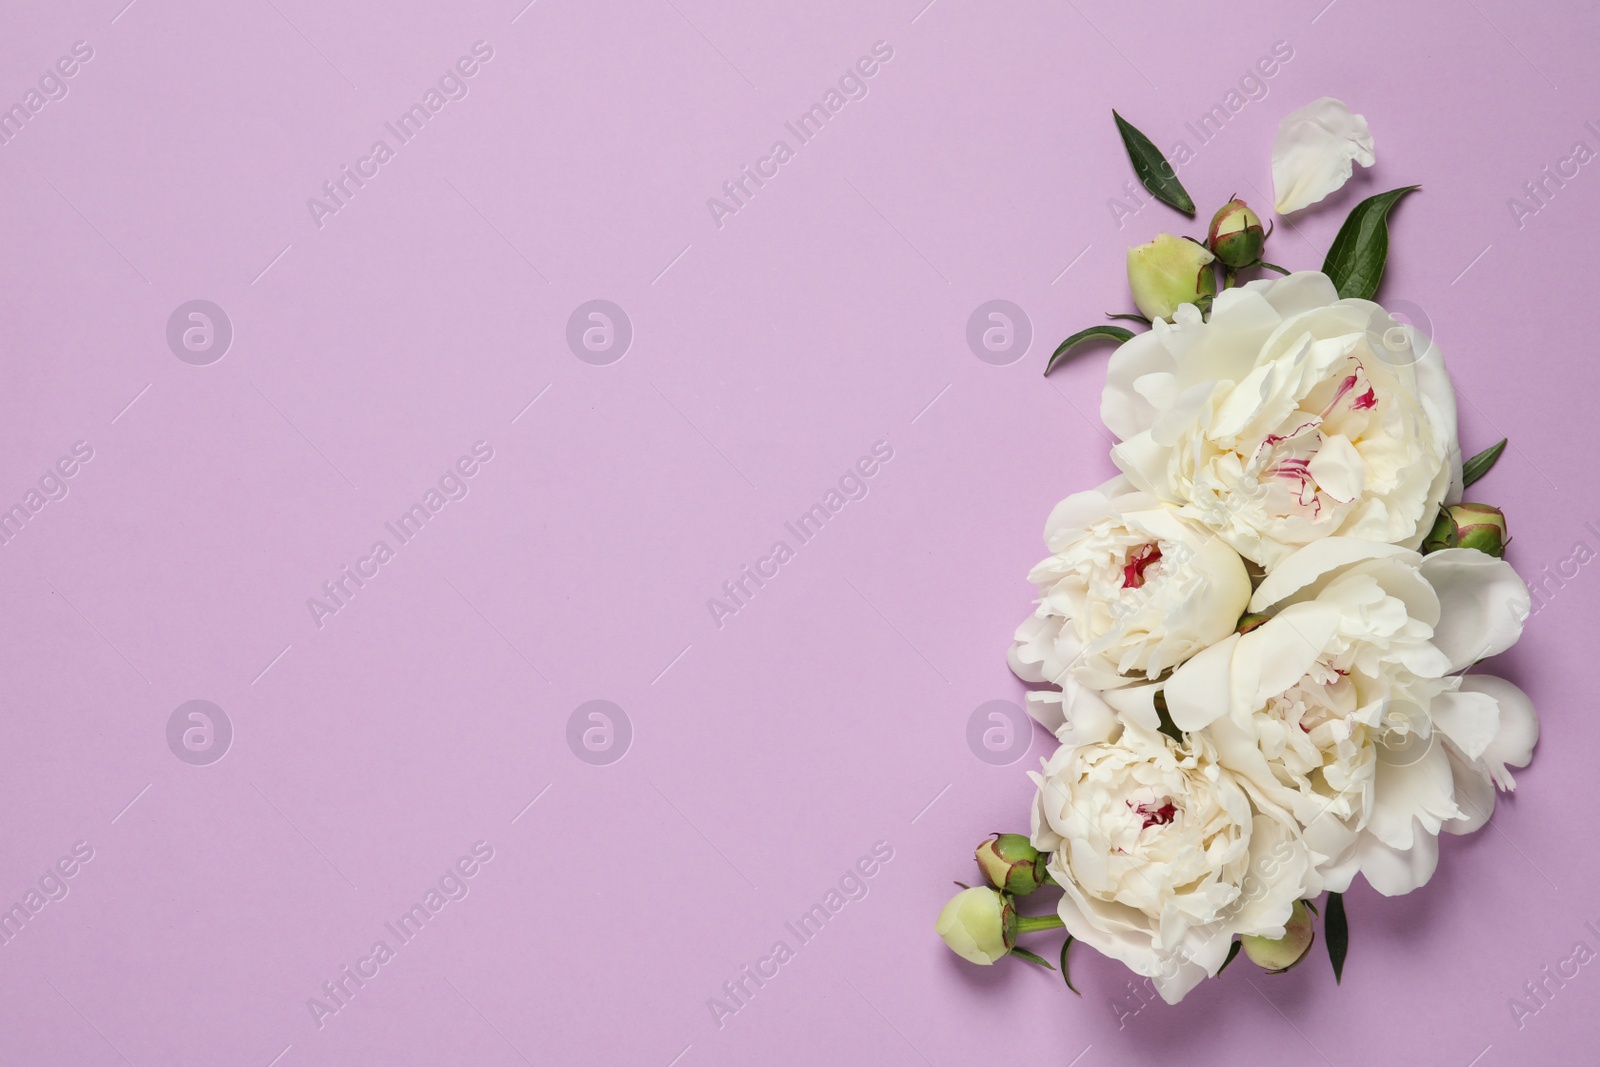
{"x":1251,"y":643}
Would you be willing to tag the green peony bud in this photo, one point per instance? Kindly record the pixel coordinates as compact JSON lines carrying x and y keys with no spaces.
{"x":979,"y":924}
{"x":1250,"y":620}
{"x":1279,"y":954}
{"x":1236,"y":235}
{"x":1170,"y":271}
{"x":1011,"y":863}
{"x":1443,"y":535}
{"x":1481,"y":527}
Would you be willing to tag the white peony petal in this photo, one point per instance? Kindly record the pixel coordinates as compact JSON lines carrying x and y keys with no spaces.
{"x":1482,"y":604}
{"x":1110,"y":929}
{"x":1241,"y":321}
{"x":1474,"y":795}
{"x":1198,"y":692}
{"x":1145,"y":464}
{"x":1137,"y":705}
{"x":1123,"y":406}
{"x":1469,"y":719}
{"x":1297,"y":293}
{"x":1338,"y":468}
{"x":1030,"y":649}
{"x":1175,"y":981}
{"x":1275,"y":851}
{"x":1439,"y":401}
{"x":1395,"y":872}
{"x":1045,"y":705}
{"x":1068,"y":518}
{"x":1337,"y":876}
{"x":1519,"y":727}
{"x":1313,"y":153}
{"x":1308,"y":564}
{"x":1412,"y":800}
{"x":1279,"y":652}
{"x":1077,"y":716}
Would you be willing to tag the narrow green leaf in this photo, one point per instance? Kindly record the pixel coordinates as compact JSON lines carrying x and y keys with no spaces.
{"x":1130,"y":318}
{"x":1065,"y":977}
{"x":1479,"y":465}
{"x":1232,"y":952}
{"x":1338,"y":932}
{"x":1274,"y":266}
{"x":1113,"y":333}
{"x":1356,"y":258}
{"x":1164,"y":718}
{"x":1031,"y":957}
{"x":1154,"y":172}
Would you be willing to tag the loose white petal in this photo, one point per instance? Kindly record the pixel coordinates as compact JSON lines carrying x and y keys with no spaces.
{"x":1314,"y":152}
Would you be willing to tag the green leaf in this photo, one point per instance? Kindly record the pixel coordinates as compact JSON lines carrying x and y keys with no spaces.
{"x":1479,"y":465}
{"x":1130,"y":318}
{"x":1113,"y":333}
{"x":1273,"y":266}
{"x":1232,"y":952}
{"x":1064,"y":976}
{"x":1355,"y":260}
{"x":1164,"y":718}
{"x":1031,"y":957}
{"x":1154,"y":172}
{"x":1338,"y":932}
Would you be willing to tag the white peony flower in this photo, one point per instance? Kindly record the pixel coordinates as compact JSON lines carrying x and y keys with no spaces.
{"x":1343,"y":709}
{"x":1314,"y":152}
{"x":1290,"y":416}
{"x":1161,"y":856}
{"x":1131,"y":591}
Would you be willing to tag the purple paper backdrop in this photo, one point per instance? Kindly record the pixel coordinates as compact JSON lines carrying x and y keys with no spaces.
{"x":371,"y":746}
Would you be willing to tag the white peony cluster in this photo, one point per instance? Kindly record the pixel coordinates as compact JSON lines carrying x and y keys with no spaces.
{"x":1254,"y":671}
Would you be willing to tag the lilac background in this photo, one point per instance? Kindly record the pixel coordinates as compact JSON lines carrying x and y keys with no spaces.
{"x":830,"y":712}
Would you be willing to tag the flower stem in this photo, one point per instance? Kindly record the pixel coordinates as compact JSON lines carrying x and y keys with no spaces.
{"x":1027,"y":924}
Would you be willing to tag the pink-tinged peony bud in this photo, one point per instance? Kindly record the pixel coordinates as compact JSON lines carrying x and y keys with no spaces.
{"x":1168,"y":272}
{"x":1236,"y":235}
{"x":1443,"y":535}
{"x":1279,"y":954}
{"x":1011,"y":863}
{"x":1481,"y":527}
{"x":979,"y":924}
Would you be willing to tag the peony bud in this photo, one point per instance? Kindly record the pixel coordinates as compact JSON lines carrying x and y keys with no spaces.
{"x":1250,"y":620}
{"x":1170,"y":271}
{"x":979,"y":924}
{"x":1011,"y":863}
{"x":1236,"y":235}
{"x":1481,"y":527}
{"x":1443,"y":535}
{"x":1279,"y":954}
